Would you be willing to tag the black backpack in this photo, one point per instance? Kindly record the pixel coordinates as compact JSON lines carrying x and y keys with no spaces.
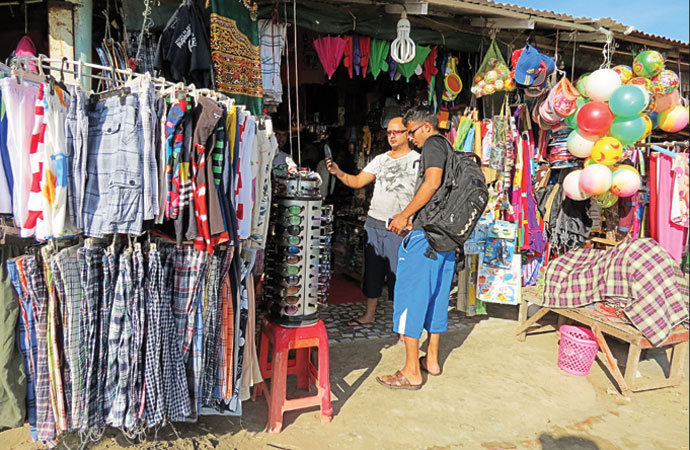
{"x":459,"y":202}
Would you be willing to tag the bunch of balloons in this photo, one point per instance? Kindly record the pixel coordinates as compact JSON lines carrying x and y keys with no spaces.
{"x":619,"y":107}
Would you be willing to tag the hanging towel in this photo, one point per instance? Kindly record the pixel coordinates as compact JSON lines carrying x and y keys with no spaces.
{"x":330,"y":51}
{"x":356,"y":53}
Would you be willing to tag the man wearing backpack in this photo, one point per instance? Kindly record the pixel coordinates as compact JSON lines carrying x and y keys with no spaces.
{"x":425,"y":271}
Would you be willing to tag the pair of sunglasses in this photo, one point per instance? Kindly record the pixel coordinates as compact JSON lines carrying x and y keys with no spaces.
{"x":292,"y":209}
{"x":293,"y":249}
{"x":290,"y":310}
{"x":292,"y":230}
{"x":292,"y":299}
{"x":321,"y":278}
{"x":291,"y":240}
{"x":290,"y":270}
{"x":292,"y":279}
{"x":292,"y":220}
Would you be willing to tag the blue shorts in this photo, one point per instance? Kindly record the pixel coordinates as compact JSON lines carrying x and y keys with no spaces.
{"x":422,"y":288}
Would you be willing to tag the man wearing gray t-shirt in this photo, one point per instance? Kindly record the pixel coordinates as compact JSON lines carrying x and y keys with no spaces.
{"x":395,"y":174}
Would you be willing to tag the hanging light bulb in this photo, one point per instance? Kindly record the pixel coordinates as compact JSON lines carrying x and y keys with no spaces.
{"x":403,"y":48}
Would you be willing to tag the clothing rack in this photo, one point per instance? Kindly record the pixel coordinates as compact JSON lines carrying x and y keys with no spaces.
{"x":48,"y":65}
{"x":685,"y":144}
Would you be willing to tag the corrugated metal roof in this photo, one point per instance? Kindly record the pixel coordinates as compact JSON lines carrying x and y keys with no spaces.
{"x":605,"y":22}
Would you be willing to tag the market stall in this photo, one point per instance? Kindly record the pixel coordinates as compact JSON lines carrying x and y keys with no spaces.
{"x":147,"y":225}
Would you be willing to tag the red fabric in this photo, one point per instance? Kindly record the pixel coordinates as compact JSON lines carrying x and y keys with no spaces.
{"x":364,"y":46}
{"x":430,"y":66}
{"x":330,"y":51}
{"x":347,"y":52}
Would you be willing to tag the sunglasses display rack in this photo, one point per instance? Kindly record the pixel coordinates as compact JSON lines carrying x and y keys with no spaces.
{"x":298,"y":254}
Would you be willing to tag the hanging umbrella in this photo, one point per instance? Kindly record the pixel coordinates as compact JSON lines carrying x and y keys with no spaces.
{"x":330,"y":51}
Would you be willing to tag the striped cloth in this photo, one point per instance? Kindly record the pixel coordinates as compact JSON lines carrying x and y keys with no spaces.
{"x":639,"y":270}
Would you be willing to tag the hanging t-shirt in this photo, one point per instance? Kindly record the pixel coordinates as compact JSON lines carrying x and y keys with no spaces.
{"x":183,"y":52}
{"x":395,"y":183}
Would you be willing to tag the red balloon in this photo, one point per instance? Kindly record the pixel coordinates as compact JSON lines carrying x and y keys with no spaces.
{"x":594,"y":118}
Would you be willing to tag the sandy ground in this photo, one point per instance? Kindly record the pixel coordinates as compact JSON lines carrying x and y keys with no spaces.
{"x":495,"y":393}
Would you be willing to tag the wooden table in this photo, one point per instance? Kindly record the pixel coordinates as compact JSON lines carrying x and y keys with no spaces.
{"x":676,"y":345}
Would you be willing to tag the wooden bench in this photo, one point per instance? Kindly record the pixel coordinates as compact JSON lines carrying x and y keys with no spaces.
{"x":676,"y":345}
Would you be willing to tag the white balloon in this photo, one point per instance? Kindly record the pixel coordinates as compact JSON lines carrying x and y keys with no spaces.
{"x":601,"y":84}
{"x":571,"y":186}
{"x":580,"y":145}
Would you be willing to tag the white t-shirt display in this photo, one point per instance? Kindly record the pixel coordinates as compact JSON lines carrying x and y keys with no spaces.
{"x":395,"y":183}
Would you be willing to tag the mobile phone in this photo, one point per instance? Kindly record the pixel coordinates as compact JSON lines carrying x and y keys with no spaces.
{"x":388,"y":223}
{"x":327,"y":152}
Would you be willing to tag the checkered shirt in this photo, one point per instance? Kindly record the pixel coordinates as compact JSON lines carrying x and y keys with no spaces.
{"x":638,"y":269}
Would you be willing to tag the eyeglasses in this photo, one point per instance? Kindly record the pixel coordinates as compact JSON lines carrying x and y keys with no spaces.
{"x":323,"y":279}
{"x":414,"y":130}
{"x":395,"y":132}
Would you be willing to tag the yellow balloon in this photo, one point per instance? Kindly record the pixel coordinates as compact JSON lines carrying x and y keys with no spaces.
{"x":607,"y":151}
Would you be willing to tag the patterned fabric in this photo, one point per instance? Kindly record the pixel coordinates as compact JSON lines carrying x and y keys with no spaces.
{"x":66,"y":268}
{"x":91,"y":276}
{"x":119,"y":336}
{"x":45,"y":419}
{"x":166,"y":392}
{"x":138,"y":313}
{"x":236,"y":54}
{"x":27,"y":337}
{"x":55,"y":348}
{"x":37,"y":158}
{"x":639,"y":270}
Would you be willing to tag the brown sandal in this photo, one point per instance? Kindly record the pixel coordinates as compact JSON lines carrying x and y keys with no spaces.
{"x":398,"y":381}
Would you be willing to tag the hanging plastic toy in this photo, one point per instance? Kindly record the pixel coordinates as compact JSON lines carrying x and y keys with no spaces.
{"x":403,"y":48}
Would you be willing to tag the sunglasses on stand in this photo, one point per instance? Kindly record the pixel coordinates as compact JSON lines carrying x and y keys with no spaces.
{"x":291,"y":240}
{"x":323,"y":239}
{"x":323,"y":257}
{"x":292,"y":209}
{"x":292,"y":230}
{"x":295,"y":289}
{"x":292,"y":220}
{"x":292,"y":249}
{"x":290,"y":259}
{"x":292,"y":279}
{"x":323,"y":279}
{"x":320,"y":299}
{"x":290,"y":270}
{"x":292,"y":299}
{"x":291,"y":310}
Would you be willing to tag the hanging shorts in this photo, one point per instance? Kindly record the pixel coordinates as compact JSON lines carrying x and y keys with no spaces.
{"x":422,"y":288}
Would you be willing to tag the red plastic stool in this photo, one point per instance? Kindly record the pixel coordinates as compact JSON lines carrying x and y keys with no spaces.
{"x":282,"y":340}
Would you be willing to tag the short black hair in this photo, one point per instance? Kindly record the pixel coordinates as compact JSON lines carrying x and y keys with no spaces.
{"x":421,"y":114}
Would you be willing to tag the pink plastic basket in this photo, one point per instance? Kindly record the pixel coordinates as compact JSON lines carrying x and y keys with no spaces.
{"x":577,"y":350}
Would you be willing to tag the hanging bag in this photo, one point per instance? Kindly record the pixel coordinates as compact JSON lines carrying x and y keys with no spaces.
{"x":493,"y":74}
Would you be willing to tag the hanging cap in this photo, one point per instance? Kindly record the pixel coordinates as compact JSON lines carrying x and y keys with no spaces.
{"x":532,"y":67}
